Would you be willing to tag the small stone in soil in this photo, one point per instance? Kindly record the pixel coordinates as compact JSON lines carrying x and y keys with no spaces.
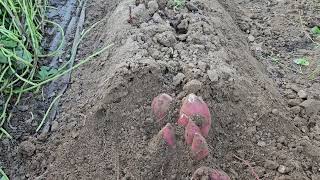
{"x":251,"y":38}
{"x":157,"y":18}
{"x":144,"y":138}
{"x":272,"y":165}
{"x":295,"y":109}
{"x":275,"y":111}
{"x":262,"y":144}
{"x":282,"y":140}
{"x":311,"y":106}
{"x":23,"y":108}
{"x":54,"y":126}
{"x":294,"y":102}
{"x":152,"y":6}
{"x":74,"y":134}
{"x":302,"y":94}
{"x":192,"y":86}
{"x":178,"y":79}
{"x":202,"y":65}
{"x":282,"y":169}
{"x":213,"y":75}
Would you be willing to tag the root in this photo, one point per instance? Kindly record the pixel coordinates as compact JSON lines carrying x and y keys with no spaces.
{"x":130,"y":20}
{"x":247,"y":163}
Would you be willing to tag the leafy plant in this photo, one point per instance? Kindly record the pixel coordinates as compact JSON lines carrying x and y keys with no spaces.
{"x":3,"y":176}
{"x":178,"y":4}
{"x":21,"y":29}
{"x":315,"y":30}
{"x":21,"y":70}
{"x":302,"y":61}
{"x":46,"y":72}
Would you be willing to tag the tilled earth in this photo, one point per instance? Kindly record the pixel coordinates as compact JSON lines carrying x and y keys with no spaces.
{"x":237,"y":55}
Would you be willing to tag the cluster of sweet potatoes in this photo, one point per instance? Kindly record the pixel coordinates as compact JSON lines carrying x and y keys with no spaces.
{"x":195,"y":117}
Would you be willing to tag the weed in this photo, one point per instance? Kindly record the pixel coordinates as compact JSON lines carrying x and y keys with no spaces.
{"x":315,"y":31}
{"x":3,"y":176}
{"x":21,"y":29}
{"x":178,"y":4}
{"x":302,"y":61}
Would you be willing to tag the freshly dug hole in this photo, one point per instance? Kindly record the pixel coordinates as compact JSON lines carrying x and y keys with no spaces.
{"x":119,"y":135}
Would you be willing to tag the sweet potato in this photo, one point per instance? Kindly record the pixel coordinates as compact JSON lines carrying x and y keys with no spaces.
{"x":190,"y":130}
{"x":195,"y":109}
{"x":199,"y":147}
{"x":218,"y":175}
{"x":204,"y":172}
{"x":183,"y":120}
{"x":169,"y":135}
{"x":160,"y":105}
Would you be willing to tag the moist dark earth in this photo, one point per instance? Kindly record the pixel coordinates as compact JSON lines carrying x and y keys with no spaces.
{"x":237,"y":55}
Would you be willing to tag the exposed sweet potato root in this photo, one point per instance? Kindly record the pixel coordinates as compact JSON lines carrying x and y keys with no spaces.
{"x":195,"y":109}
{"x":199,"y":147}
{"x":190,"y":131}
{"x":169,"y":135}
{"x":210,"y":174}
{"x":160,"y":105}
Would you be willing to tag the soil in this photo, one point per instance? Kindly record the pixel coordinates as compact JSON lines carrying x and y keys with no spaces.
{"x":237,"y":55}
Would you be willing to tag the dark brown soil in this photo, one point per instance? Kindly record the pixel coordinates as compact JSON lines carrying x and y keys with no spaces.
{"x":263,"y":112}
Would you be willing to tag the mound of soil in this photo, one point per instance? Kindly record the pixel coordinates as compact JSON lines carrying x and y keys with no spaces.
{"x":106,"y":129}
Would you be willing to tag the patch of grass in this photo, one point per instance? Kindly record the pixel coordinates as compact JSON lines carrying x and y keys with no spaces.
{"x":21,"y":54}
{"x":178,"y":4}
{"x":22,"y":25}
{"x":302,"y":61}
{"x":315,"y":31}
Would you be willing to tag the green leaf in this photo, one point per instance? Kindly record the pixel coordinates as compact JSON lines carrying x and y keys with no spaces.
{"x":3,"y":58}
{"x":45,"y":72}
{"x":25,"y":55}
{"x":302,"y":61}
{"x":9,"y":43}
{"x":315,"y":30}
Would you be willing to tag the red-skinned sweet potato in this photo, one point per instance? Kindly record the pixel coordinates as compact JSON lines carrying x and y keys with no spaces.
{"x":183,"y":120}
{"x":199,"y":147}
{"x":161,"y":105}
{"x":204,"y":172}
{"x":168,"y":135}
{"x":195,"y":109}
{"x":190,"y":131}
{"x":218,"y":175}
